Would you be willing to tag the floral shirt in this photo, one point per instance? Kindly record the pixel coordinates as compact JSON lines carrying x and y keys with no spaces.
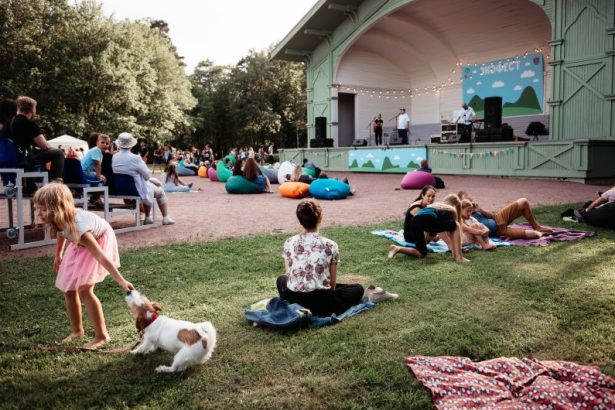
{"x":309,"y":256}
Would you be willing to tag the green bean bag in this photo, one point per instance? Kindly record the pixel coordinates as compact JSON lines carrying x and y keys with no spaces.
{"x":223,"y":172}
{"x":239,"y":185}
{"x":232,"y":158}
{"x":309,"y":171}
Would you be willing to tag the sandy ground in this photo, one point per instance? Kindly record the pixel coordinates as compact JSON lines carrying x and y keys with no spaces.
{"x":212,"y":214}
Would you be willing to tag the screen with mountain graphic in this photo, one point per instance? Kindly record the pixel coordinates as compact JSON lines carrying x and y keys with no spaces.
{"x":519,"y":81}
{"x":384,"y":160}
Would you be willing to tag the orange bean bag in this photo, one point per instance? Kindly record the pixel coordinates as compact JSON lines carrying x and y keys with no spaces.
{"x":295,"y":190}
{"x":202,"y":172}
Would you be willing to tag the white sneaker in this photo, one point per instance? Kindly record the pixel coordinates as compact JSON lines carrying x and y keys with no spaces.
{"x":148,"y":220}
{"x":378,"y":294}
{"x":167,"y":220}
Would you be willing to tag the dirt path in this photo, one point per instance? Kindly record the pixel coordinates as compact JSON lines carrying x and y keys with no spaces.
{"x":213,"y":214}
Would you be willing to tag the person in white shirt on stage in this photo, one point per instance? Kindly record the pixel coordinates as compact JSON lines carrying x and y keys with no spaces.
{"x":403,"y":126}
{"x":464,"y":122}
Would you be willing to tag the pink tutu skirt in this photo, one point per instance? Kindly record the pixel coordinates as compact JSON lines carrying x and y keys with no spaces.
{"x":79,"y":267}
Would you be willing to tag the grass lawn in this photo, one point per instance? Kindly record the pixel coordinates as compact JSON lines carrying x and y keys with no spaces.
{"x":556,"y":302}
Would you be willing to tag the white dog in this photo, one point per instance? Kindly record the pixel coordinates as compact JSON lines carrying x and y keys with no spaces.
{"x":193,"y":343}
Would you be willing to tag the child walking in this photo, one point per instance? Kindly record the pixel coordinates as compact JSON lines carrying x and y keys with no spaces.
{"x":90,"y":256}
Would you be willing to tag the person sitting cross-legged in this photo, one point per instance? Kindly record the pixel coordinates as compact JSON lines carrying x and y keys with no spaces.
{"x":311,"y":268}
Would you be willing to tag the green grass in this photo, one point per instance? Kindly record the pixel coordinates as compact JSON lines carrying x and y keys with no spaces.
{"x":556,"y":302}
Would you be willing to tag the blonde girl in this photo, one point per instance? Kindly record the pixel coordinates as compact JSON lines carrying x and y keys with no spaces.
{"x":472,"y":230}
{"x":91,"y":254}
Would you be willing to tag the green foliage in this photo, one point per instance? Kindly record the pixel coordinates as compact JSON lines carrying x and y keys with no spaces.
{"x":91,"y":73}
{"x":550,"y":303}
{"x":255,"y":102}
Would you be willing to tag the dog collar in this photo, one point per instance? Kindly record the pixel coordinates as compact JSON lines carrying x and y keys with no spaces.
{"x":151,"y":319}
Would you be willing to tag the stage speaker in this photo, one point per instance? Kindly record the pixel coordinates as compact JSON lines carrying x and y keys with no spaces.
{"x":493,"y":112}
{"x":321,"y":143}
{"x":359,"y":143}
{"x":320,"y":127}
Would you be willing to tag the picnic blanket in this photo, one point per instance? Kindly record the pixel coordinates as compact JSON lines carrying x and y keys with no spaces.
{"x":281,"y":314}
{"x":434,"y":247}
{"x":512,"y":383}
{"x":559,"y":235}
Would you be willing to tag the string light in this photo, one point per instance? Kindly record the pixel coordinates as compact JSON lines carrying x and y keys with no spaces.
{"x":436,"y":88}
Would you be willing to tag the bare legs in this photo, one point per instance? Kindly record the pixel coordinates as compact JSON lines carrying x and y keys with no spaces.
{"x":394,"y":250}
{"x":95,"y":314}
{"x":452,"y":239}
{"x":73,"y":308}
{"x":526,"y":211}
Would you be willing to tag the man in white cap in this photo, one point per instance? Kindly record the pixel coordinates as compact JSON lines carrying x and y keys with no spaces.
{"x":127,"y":163}
{"x":403,"y":126}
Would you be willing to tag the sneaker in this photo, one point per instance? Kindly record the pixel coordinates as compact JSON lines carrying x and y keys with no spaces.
{"x":569,"y":219}
{"x":377,"y":294}
{"x":167,"y":220}
{"x":148,"y":220}
{"x":580,"y":214}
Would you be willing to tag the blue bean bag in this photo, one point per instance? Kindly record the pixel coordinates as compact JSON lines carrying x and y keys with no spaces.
{"x":185,"y":172}
{"x":417,"y":180}
{"x":270,"y":173}
{"x":223,"y":172}
{"x":329,"y":189}
{"x":239,"y":185}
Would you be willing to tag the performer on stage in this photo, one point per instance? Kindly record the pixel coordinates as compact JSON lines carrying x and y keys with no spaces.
{"x":464,"y":122}
{"x":377,"y":126}
{"x":403,"y":126}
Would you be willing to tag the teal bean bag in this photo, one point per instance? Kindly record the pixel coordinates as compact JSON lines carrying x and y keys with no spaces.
{"x":239,"y":185}
{"x":309,"y":171}
{"x":223,"y":172}
{"x":232,"y":158}
{"x":329,"y":189}
{"x":270,"y":173}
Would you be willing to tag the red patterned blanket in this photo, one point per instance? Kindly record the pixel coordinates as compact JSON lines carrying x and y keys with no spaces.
{"x":511,"y":383}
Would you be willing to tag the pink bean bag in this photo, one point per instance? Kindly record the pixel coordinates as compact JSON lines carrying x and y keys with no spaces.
{"x":417,"y":180}
{"x":213,"y":176}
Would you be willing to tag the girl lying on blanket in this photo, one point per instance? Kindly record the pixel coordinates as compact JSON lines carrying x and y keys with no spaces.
{"x":442,"y":218}
{"x":472,"y":231}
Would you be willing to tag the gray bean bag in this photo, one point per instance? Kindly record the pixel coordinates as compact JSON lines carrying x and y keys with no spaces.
{"x":270,"y":173}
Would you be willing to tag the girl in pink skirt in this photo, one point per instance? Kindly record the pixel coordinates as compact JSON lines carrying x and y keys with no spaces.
{"x":90,"y":256}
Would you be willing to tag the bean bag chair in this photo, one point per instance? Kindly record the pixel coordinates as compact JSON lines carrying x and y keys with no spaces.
{"x":309,"y":171}
{"x":296,"y":190}
{"x":329,"y":189}
{"x":223,"y":172}
{"x":202,"y":172}
{"x":602,"y":216}
{"x":232,"y":158}
{"x":286,"y":168}
{"x":185,"y":172}
{"x":417,"y":180}
{"x":212,"y":174}
{"x":270,"y":173}
{"x":239,"y":185}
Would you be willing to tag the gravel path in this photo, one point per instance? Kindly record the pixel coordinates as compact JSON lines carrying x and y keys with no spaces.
{"x":212,"y":214}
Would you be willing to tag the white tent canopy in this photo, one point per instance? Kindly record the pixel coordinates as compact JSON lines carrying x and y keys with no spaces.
{"x":67,"y":141}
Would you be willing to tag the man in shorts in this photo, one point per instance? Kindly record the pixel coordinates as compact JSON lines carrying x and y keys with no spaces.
{"x":498,"y":222}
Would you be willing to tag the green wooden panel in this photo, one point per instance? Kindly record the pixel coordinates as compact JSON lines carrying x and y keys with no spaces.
{"x":580,"y":160}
